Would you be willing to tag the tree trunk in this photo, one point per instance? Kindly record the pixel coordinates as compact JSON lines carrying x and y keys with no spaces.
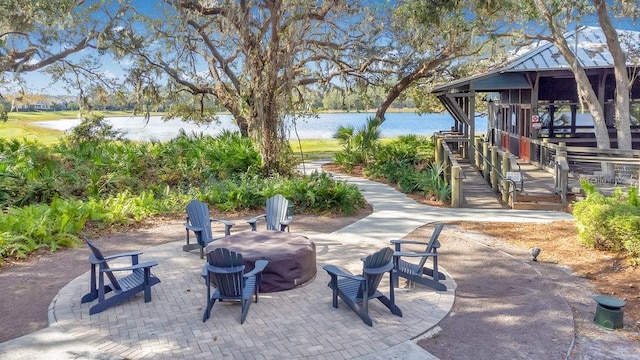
{"x":243,"y":125}
{"x":586,"y":92}
{"x":264,"y":128}
{"x":584,"y":88}
{"x":622,"y":109}
{"x":392,"y":95}
{"x":423,"y":72}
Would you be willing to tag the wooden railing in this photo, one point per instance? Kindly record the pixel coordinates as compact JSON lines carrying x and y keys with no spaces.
{"x":496,"y":171}
{"x":446,"y":145}
{"x":604,"y":168}
{"x":611,"y":167}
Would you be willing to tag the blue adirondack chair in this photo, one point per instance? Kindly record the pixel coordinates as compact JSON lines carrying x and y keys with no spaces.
{"x":357,"y":290}
{"x":138,"y":280}
{"x":417,"y":272}
{"x":200,"y":222}
{"x":278,"y":216}
{"x":225,"y":269}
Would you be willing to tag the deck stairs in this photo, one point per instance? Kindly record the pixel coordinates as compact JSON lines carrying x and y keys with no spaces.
{"x":538,"y":192}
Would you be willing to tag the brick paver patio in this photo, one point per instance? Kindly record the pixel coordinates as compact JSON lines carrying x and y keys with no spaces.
{"x":299,"y":323}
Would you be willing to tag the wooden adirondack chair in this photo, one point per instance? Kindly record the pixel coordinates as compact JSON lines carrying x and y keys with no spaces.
{"x":139,"y":279}
{"x":278,"y":216}
{"x":357,"y":290}
{"x":418,"y":273}
{"x":200,"y":222}
{"x":226,"y":268}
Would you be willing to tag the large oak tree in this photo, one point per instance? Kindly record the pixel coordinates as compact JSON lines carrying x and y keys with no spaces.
{"x":254,"y":57}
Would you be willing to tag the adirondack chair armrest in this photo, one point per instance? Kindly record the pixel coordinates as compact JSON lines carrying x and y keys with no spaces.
{"x":227,"y":225}
{"x":254,"y":220}
{"x":334,"y":270}
{"x":142,"y":265}
{"x":225,"y":222}
{"x":412,"y":254}
{"x":259,"y":267}
{"x":413,"y":242}
{"x":398,"y":243}
{"x":116,"y":256}
{"x":193,"y":228}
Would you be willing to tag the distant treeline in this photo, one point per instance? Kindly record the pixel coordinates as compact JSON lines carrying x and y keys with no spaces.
{"x":330,"y":100}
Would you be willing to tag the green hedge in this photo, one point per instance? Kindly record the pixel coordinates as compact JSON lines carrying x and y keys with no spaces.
{"x":609,"y":223}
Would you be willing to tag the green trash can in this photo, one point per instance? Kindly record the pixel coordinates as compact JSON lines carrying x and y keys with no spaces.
{"x":609,"y":313}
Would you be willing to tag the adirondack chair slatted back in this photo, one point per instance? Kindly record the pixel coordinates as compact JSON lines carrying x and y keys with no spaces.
{"x":378,"y":259}
{"x":432,"y":245}
{"x":276,"y":211}
{"x":198,"y":215}
{"x":103,"y":265}
{"x":231,"y":282}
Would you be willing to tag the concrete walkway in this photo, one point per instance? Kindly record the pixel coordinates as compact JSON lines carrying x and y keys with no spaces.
{"x":299,"y":323}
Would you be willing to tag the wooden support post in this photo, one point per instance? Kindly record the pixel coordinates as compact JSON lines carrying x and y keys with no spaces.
{"x":562,"y":149}
{"x":471,"y":133}
{"x":456,"y":186}
{"x":562,"y":173}
{"x":439,"y":150}
{"x":477,"y":143}
{"x":561,"y":153}
{"x":494,"y":168}
{"x":505,"y":184}
{"x":486,"y":167}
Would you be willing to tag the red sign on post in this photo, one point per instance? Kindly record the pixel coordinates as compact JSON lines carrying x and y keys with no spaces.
{"x":535,"y":118}
{"x":536,"y":125}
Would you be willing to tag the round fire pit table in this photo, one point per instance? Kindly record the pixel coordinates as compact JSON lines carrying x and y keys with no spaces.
{"x":292,"y":257}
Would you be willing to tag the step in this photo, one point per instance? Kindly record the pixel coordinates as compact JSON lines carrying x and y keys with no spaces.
{"x":538,"y":205}
{"x":538,"y":201}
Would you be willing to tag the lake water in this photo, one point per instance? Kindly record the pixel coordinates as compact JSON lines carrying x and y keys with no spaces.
{"x":323,"y":126}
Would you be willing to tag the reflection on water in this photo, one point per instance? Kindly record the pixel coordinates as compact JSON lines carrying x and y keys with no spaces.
{"x":323,"y":126}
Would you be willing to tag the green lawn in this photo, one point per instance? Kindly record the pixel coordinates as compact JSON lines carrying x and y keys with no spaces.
{"x":23,"y":129}
{"x":315,"y":149}
{"x":19,"y":125}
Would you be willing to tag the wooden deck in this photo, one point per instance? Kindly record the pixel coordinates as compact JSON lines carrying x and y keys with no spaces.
{"x":538,"y":192}
{"x":477,"y":193}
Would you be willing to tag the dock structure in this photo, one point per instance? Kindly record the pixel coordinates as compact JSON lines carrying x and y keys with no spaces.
{"x":534,"y":118}
{"x":537,"y":192}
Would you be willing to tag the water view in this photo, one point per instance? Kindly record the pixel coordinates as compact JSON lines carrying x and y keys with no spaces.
{"x":321,"y":127}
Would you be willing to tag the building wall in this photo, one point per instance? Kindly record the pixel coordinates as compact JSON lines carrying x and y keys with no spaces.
{"x":561,"y":115}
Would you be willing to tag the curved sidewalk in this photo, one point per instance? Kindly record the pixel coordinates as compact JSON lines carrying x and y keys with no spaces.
{"x":299,"y":323}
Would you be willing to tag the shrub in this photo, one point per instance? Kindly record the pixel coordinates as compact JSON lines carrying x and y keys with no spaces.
{"x":407,"y":162}
{"x":48,"y":194}
{"x":609,"y":223}
{"x":358,"y":145}
{"x":94,"y":128}
{"x":317,"y":193}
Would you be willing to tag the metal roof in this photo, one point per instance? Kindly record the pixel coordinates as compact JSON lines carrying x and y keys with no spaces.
{"x":588,"y":43}
{"x":591,"y":49}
